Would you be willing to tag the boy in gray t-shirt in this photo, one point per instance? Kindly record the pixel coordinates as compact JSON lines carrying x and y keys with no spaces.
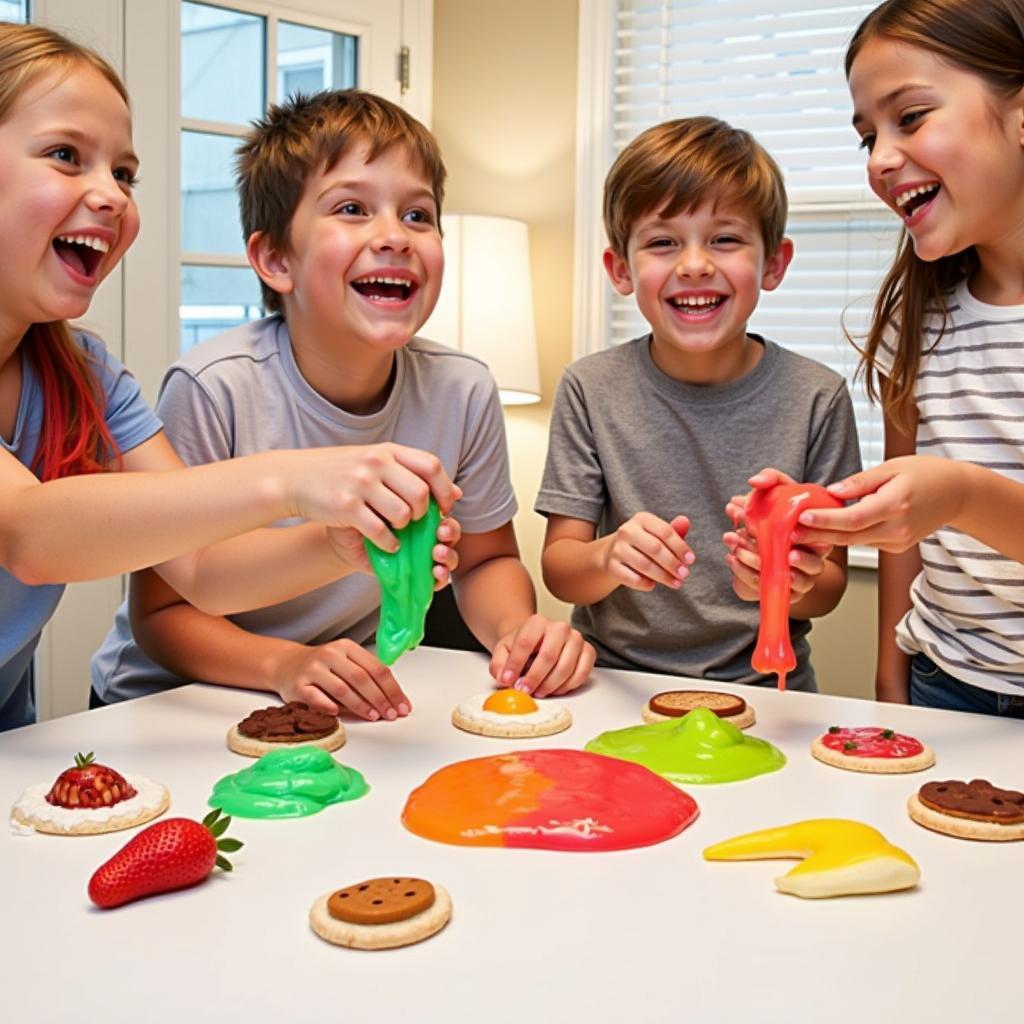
{"x":651,"y":439}
{"x":340,"y":198}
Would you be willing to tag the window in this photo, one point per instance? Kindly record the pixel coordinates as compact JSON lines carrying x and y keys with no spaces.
{"x":198,"y":72}
{"x":779,"y":74}
{"x":230,"y":71}
{"x":14,"y":10}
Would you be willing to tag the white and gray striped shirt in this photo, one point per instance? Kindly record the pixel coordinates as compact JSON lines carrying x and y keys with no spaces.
{"x":968,"y":601}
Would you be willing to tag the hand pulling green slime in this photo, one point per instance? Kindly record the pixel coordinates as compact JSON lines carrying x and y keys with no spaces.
{"x":406,"y":583}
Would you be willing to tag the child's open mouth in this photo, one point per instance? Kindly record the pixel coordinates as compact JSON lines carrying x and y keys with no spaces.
{"x":385,"y":288}
{"x":915,"y":200}
{"x":82,"y":253}
{"x":696,"y":305}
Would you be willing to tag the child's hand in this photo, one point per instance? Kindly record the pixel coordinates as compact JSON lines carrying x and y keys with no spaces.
{"x":366,"y":487}
{"x":645,"y":551}
{"x":736,"y":507}
{"x":348,"y":547}
{"x":902,"y":501}
{"x":807,"y":563}
{"x":542,"y":657}
{"x":341,"y":674}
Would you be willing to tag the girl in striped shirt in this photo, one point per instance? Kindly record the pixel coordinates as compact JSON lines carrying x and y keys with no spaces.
{"x":938,"y":91}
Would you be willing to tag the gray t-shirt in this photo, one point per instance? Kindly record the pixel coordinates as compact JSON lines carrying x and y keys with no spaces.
{"x":242,"y":392}
{"x":626,"y":438}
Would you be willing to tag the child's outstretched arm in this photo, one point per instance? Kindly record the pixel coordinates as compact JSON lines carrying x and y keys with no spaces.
{"x":643,"y":552}
{"x":818,"y":571}
{"x":905,"y":499}
{"x":329,"y":677}
{"x":87,"y":527}
{"x":496,"y":598}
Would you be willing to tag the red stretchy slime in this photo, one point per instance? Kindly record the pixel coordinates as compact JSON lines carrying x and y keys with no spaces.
{"x":771,"y":518}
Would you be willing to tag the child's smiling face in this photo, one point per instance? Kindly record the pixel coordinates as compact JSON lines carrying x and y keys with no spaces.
{"x":697,"y":277}
{"x":365,"y":258}
{"x":944,"y":151}
{"x":67,"y":212}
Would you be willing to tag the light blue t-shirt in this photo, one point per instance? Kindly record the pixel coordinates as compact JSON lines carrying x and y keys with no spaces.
{"x":24,"y":609}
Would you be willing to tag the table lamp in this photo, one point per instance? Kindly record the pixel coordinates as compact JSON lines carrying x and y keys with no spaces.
{"x":486,"y":302}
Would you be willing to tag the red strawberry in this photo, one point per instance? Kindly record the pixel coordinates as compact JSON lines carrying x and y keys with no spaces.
{"x":89,"y":785}
{"x":171,"y":854}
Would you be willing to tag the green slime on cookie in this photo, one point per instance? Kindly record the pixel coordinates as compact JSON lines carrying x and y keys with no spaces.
{"x":406,"y":579}
{"x":292,"y":783}
{"x":699,"y":747}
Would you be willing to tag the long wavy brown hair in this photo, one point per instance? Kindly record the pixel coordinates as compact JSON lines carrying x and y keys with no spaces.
{"x":74,"y":437}
{"x":984,"y":38}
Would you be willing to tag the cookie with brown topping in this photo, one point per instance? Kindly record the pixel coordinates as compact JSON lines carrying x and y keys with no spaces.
{"x":969,"y":810}
{"x":676,"y":703}
{"x":381,"y":913}
{"x":291,"y":724}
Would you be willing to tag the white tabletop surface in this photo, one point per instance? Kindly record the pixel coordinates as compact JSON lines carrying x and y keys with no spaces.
{"x":654,"y":934}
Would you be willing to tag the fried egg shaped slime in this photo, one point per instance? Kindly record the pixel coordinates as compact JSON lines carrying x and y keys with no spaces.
{"x":840,"y":858}
{"x":700,"y":747}
{"x":548,"y":799}
{"x":510,"y":713}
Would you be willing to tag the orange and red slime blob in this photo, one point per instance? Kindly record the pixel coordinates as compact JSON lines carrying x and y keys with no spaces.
{"x":548,"y":799}
{"x":771,"y":518}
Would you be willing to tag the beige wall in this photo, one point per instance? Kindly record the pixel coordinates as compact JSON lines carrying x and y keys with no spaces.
{"x":505,"y":113}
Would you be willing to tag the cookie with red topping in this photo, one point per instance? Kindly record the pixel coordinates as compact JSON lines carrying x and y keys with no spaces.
{"x":872,"y":749}
{"x":282,"y":725}
{"x":90,"y":798}
{"x":969,"y":810}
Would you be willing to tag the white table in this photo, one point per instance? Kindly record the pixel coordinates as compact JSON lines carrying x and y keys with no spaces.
{"x":654,"y":934}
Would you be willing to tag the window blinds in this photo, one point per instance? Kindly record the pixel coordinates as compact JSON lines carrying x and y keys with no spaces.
{"x":779,"y":74}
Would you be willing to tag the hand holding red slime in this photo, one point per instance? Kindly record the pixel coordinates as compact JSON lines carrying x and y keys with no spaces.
{"x":771,"y":517}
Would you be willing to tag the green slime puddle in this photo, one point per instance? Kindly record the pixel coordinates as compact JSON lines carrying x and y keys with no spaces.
{"x":290,"y":783}
{"x":699,"y":747}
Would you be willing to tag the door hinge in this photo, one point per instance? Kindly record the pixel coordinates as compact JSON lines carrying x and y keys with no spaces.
{"x":403,"y":69}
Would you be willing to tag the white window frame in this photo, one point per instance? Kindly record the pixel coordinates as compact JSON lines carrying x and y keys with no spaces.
{"x":152,"y":41}
{"x":594,"y":127}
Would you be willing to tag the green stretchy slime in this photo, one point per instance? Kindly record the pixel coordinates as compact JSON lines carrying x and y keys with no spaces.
{"x":700,"y":747}
{"x":291,"y":783}
{"x":406,"y":583}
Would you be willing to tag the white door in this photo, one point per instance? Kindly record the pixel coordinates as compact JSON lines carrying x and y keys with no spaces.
{"x":197,"y":73}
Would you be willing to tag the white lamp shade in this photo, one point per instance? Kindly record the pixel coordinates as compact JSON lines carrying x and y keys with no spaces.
{"x":486,"y":302}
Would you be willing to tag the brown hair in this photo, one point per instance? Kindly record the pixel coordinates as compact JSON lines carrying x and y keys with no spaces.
{"x":74,"y":437}
{"x":307,"y":133}
{"x":678,"y":165}
{"x":984,"y":38}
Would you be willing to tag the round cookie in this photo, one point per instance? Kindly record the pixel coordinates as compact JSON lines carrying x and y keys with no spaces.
{"x":538,"y":719}
{"x":969,"y":810}
{"x":32,"y":810}
{"x":386,"y":916}
{"x":676,"y":703}
{"x":872,"y":749}
{"x":278,"y":726}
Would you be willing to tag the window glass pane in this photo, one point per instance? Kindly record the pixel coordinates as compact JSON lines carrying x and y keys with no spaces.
{"x":214,"y":299}
{"x":311,"y":59}
{"x":14,"y":10}
{"x":209,"y":205}
{"x":221,"y":64}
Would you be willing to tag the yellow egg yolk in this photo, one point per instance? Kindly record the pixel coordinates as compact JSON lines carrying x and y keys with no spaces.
{"x":510,"y":702}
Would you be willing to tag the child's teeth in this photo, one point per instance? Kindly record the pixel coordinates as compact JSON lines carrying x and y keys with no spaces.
{"x":905,"y":197}
{"x":92,"y":243}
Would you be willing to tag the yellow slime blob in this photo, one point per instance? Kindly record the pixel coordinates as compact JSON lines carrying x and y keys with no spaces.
{"x":843,"y":858}
{"x":510,"y":702}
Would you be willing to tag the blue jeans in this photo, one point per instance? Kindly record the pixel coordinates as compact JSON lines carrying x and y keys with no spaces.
{"x":934,"y":687}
